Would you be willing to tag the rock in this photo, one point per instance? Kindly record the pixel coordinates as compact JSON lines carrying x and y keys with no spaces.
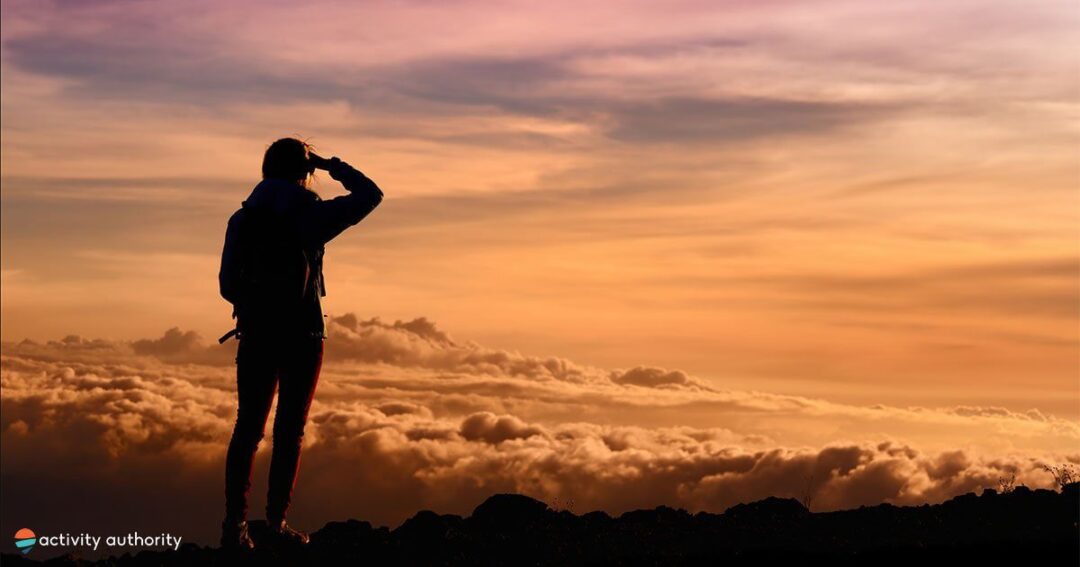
{"x":658,"y":515}
{"x":509,"y":511}
{"x":1024,"y":528}
{"x":769,"y":510}
{"x":427,"y":526}
{"x":1021,"y":491}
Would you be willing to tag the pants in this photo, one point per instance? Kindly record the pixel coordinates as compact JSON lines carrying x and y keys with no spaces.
{"x":261,"y":365}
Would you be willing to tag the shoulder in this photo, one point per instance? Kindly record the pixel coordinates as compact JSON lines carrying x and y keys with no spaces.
{"x":280,"y":196}
{"x":304,"y":196}
{"x":237,"y":218}
{"x":293,"y":199}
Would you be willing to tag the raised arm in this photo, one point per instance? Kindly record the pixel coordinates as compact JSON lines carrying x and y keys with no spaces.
{"x":324,"y":220}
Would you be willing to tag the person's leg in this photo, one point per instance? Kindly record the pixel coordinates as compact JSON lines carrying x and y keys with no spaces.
{"x":256,"y":380}
{"x":299,"y":376}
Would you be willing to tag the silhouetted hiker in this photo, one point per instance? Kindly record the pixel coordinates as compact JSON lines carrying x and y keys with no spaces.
{"x":271,"y":271}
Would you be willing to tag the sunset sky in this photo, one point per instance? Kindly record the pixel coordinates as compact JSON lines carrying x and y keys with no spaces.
{"x":616,"y":235}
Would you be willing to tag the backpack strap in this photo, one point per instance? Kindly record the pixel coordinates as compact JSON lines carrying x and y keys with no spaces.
{"x":233,"y":333}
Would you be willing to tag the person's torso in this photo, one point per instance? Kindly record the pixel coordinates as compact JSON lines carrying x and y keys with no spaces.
{"x":283,"y":280}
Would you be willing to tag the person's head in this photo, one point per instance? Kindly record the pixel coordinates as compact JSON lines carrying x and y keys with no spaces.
{"x":287,"y":159}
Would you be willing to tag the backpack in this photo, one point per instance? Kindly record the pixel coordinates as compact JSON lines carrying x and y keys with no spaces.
{"x":266,"y":273}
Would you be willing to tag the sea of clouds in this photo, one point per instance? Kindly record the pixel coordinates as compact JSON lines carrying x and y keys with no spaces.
{"x":131,"y":435}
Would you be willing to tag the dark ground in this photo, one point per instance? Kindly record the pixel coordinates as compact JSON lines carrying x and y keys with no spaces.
{"x":1021,"y":528}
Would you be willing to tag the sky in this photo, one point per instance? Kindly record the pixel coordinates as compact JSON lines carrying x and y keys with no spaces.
{"x":681,"y":253}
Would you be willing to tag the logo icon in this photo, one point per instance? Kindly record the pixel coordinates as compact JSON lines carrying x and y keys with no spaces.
{"x":25,"y":540}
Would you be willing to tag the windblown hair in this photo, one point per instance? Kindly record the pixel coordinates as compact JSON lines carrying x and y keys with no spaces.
{"x":287,"y":159}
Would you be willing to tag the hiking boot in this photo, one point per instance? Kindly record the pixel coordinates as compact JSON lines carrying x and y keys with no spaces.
{"x":282,"y":532}
{"x":234,"y":535}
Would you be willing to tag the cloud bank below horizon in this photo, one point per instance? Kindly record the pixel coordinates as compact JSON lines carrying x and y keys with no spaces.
{"x":408,"y":418}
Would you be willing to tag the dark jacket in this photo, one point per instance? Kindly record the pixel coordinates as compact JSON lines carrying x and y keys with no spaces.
{"x":294,"y":222}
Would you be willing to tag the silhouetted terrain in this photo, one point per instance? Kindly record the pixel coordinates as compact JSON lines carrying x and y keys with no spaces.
{"x":1023,"y":527}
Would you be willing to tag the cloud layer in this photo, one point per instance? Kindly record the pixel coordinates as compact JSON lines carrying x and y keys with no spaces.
{"x":409,"y":418}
